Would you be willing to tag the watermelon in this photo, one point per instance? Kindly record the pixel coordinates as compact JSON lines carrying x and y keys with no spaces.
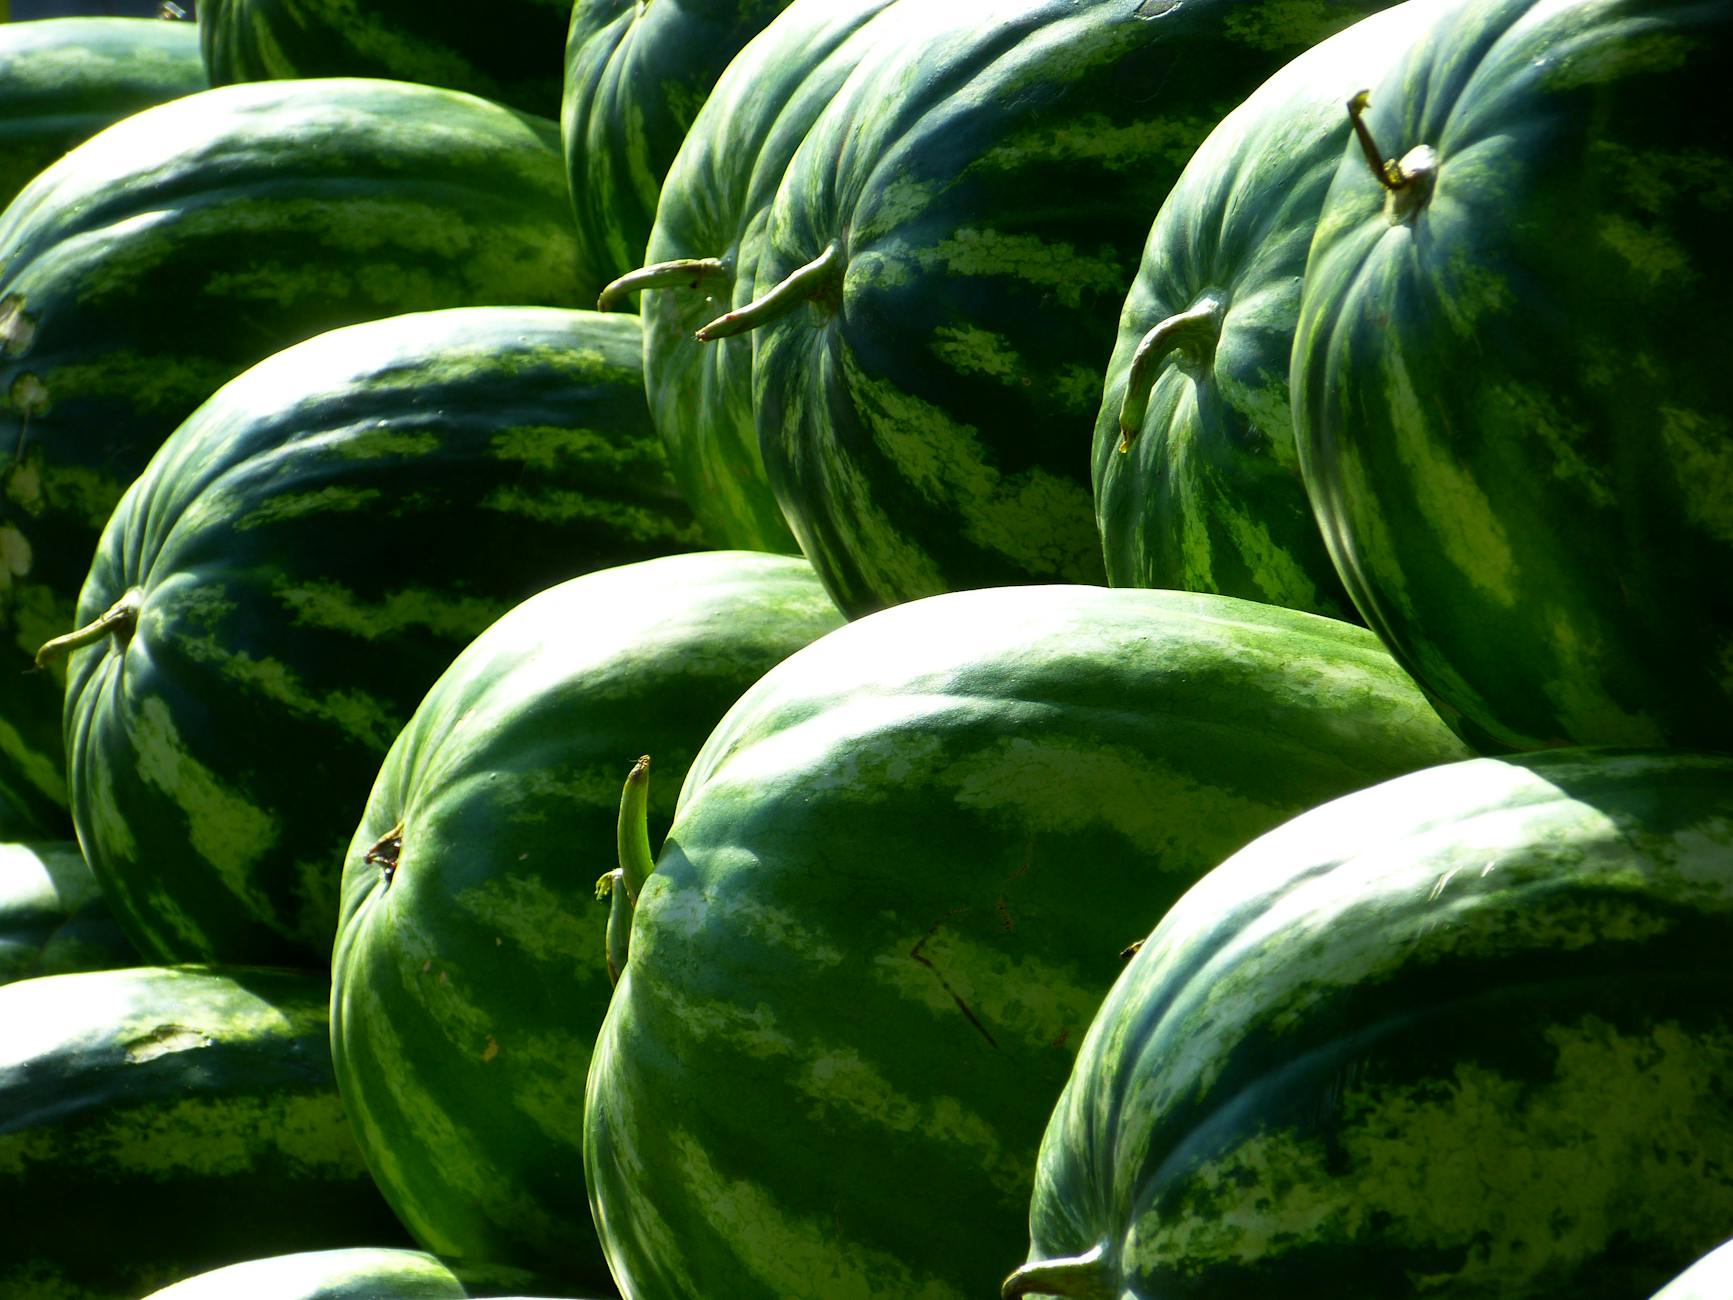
{"x":354,"y":1273}
{"x":1548,"y":548}
{"x":469,"y":974}
{"x":176,"y":248}
{"x":702,"y":252}
{"x":63,"y":79}
{"x":898,"y":881}
{"x":1468,"y":1033}
{"x":1197,"y":484}
{"x":944,"y":263}
{"x":636,"y":75}
{"x":157,"y":1122}
{"x":297,"y":566}
{"x":507,"y":51}
{"x":53,"y":917}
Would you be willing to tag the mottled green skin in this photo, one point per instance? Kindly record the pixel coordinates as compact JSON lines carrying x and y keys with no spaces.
{"x":1710,"y":1278}
{"x":989,"y":174}
{"x":1548,"y":548}
{"x":505,"y":50}
{"x":170,"y":252}
{"x":468,"y":988}
{"x":1209,"y":495}
{"x":714,"y":203}
{"x":53,"y":917}
{"x":1465,"y":1035}
{"x":158,"y":1122}
{"x":896,"y":888}
{"x":355,"y":1273}
{"x":636,"y":75}
{"x":313,"y":547}
{"x":63,"y":79}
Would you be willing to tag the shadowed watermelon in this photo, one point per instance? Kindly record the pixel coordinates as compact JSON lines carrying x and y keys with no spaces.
{"x":295,"y":569}
{"x":178,"y":247}
{"x":157,"y":1122}
{"x":1547,"y":545}
{"x":63,"y":79}
{"x":505,"y":50}
{"x":1468,"y":1033}
{"x":470,"y":971}
{"x":897,"y":885}
{"x":53,"y":917}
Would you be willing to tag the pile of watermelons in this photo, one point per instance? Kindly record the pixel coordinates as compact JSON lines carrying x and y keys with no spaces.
{"x":867,"y":648}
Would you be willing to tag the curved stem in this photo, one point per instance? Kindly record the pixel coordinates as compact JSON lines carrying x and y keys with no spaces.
{"x":1197,"y":328}
{"x":688,"y":272}
{"x":621,"y":885}
{"x":802,"y":285}
{"x":1383,"y":170}
{"x":1082,"y":1277}
{"x":119,"y":619}
{"x":619,"y":935}
{"x":632,"y":833}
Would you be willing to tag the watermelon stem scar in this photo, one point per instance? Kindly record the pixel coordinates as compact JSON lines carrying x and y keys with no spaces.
{"x":119,"y":619}
{"x":804,"y":284}
{"x":685,"y":272}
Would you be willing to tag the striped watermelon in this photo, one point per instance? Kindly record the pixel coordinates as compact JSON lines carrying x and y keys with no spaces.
{"x":354,"y":1273}
{"x":1197,"y":484}
{"x":158,"y":1122}
{"x":506,"y":50}
{"x":636,"y":75}
{"x":944,"y":264}
{"x":178,"y":247}
{"x":1549,"y":547}
{"x":704,"y":247}
{"x":299,"y":564}
{"x":897,"y":884}
{"x":63,"y":79}
{"x":469,"y":973}
{"x":53,"y":917}
{"x":1466,"y":1034}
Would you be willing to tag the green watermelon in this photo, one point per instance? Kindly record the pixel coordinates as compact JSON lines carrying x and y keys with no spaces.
{"x":469,"y":976}
{"x":636,"y":75}
{"x":53,"y":917}
{"x":704,"y":247}
{"x":294,"y":570}
{"x":1507,"y":389}
{"x":944,"y":263}
{"x":1197,"y":484}
{"x":173,"y":250}
{"x":355,"y":1273}
{"x":505,"y":50}
{"x":63,"y":79}
{"x":1465,"y":1034}
{"x":158,"y":1122}
{"x":897,"y":884}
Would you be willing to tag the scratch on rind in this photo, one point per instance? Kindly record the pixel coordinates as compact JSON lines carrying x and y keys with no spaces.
{"x":945,"y":984}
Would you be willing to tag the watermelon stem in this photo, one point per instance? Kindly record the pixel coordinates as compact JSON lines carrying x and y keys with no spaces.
{"x":119,"y":620}
{"x":814,"y":280}
{"x":621,"y":885}
{"x":1198,"y":328}
{"x":1407,"y":181}
{"x":1081,"y":1277}
{"x":687,"y":272}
